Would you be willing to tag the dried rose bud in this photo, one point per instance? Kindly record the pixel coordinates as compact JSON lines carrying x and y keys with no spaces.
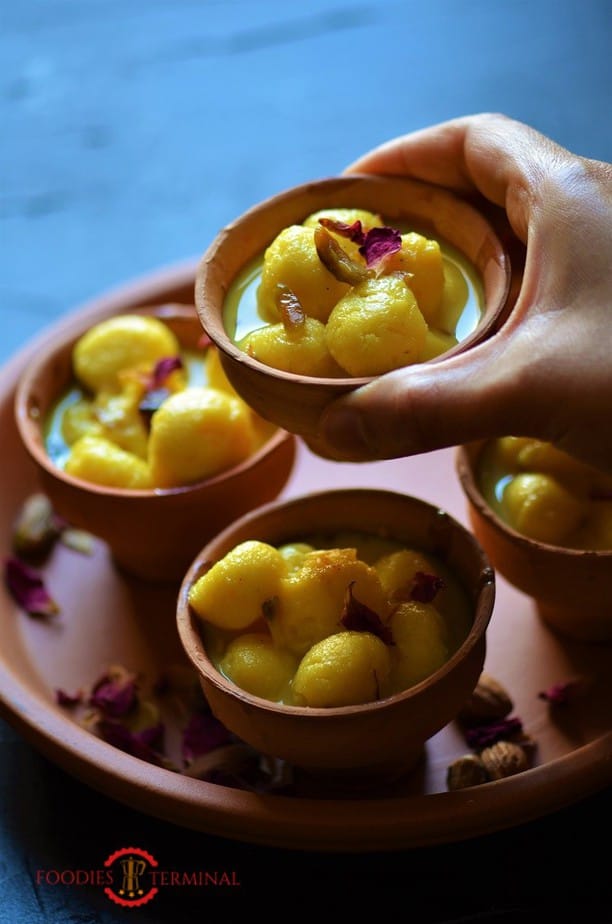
{"x":68,"y":699}
{"x":146,"y":744}
{"x":202,"y":734}
{"x":564,"y":692}
{"x":28,"y":589}
{"x":115,"y":693}
{"x":482,"y":736}
{"x":163,"y":369}
{"x":425,"y":587}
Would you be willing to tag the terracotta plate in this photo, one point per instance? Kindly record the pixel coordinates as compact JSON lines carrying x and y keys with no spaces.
{"x":106,"y":618}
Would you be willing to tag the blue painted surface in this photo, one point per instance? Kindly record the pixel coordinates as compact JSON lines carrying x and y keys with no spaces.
{"x":131,"y":133}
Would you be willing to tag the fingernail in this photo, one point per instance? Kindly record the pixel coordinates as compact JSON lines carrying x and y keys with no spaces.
{"x":343,"y":428}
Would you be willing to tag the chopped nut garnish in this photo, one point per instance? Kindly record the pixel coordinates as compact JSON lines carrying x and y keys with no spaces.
{"x":337,"y":261}
{"x":490,"y":700}
{"x":79,"y":540}
{"x":289,"y":307}
{"x":503,"y":759}
{"x":36,"y":528}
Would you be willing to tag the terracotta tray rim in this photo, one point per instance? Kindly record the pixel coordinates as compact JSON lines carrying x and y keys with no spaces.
{"x":348,"y":825}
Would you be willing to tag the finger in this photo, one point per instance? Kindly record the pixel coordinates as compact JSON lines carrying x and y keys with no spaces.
{"x":426,"y":407}
{"x":497,"y":156}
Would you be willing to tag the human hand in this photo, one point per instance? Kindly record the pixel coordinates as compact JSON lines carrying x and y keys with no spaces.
{"x":547,"y":373}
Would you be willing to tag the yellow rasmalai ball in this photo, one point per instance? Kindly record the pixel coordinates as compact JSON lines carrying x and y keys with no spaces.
{"x":198,"y":433}
{"x":252,"y":662}
{"x":312,"y":597}
{"x":121,"y":421}
{"x":421,"y":259}
{"x":537,"y":506}
{"x":232,"y":594}
{"x":292,"y":260}
{"x":79,"y":420}
{"x":376,"y":327}
{"x":302,"y":349}
{"x":396,"y":571}
{"x":98,"y":460}
{"x":294,"y":554}
{"x":123,"y":342}
{"x":540,"y":456}
{"x":421,"y":643}
{"x":455,"y":294}
{"x":344,"y":669}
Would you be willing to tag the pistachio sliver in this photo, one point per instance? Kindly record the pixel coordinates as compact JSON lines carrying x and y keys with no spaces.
{"x":337,"y":261}
{"x":289,"y":307}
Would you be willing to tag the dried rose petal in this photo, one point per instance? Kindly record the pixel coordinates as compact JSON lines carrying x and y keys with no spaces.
{"x":115,"y":693}
{"x":202,"y":734}
{"x":481,"y":736}
{"x":358,"y":617}
{"x":28,"y":588}
{"x":68,"y":699}
{"x":164,"y":368}
{"x":155,"y":386}
{"x":354,"y":232}
{"x":425,"y":587}
{"x":380,"y":243}
{"x":146,"y":744}
{"x":564,"y":692}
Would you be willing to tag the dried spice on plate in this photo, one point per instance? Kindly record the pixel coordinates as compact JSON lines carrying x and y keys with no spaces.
{"x":500,"y":747}
{"x":27,"y":587}
{"x":139,"y":723}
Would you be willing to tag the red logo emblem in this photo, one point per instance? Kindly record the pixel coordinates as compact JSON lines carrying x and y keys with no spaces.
{"x":131,"y":871}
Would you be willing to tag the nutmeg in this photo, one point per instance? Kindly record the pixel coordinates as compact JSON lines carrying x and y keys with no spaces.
{"x":466,"y":771}
{"x":489,"y":700}
{"x":503,"y":759}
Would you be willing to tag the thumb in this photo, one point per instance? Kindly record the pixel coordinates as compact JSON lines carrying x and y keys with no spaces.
{"x":425,"y":407}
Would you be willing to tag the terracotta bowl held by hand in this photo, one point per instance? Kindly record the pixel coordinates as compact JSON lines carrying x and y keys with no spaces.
{"x":572,"y":588}
{"x":152,"y":534}
{"x":295,"y":402}
{"x":358,"y":743}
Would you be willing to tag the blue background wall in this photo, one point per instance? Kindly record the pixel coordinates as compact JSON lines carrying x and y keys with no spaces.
{"x":132,"y":131}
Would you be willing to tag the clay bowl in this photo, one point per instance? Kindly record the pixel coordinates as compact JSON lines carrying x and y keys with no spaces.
{"x":358,"y":744}
{"x":571,"y":588}
{"x":295,"y":402}
{"x":151,"y":534}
